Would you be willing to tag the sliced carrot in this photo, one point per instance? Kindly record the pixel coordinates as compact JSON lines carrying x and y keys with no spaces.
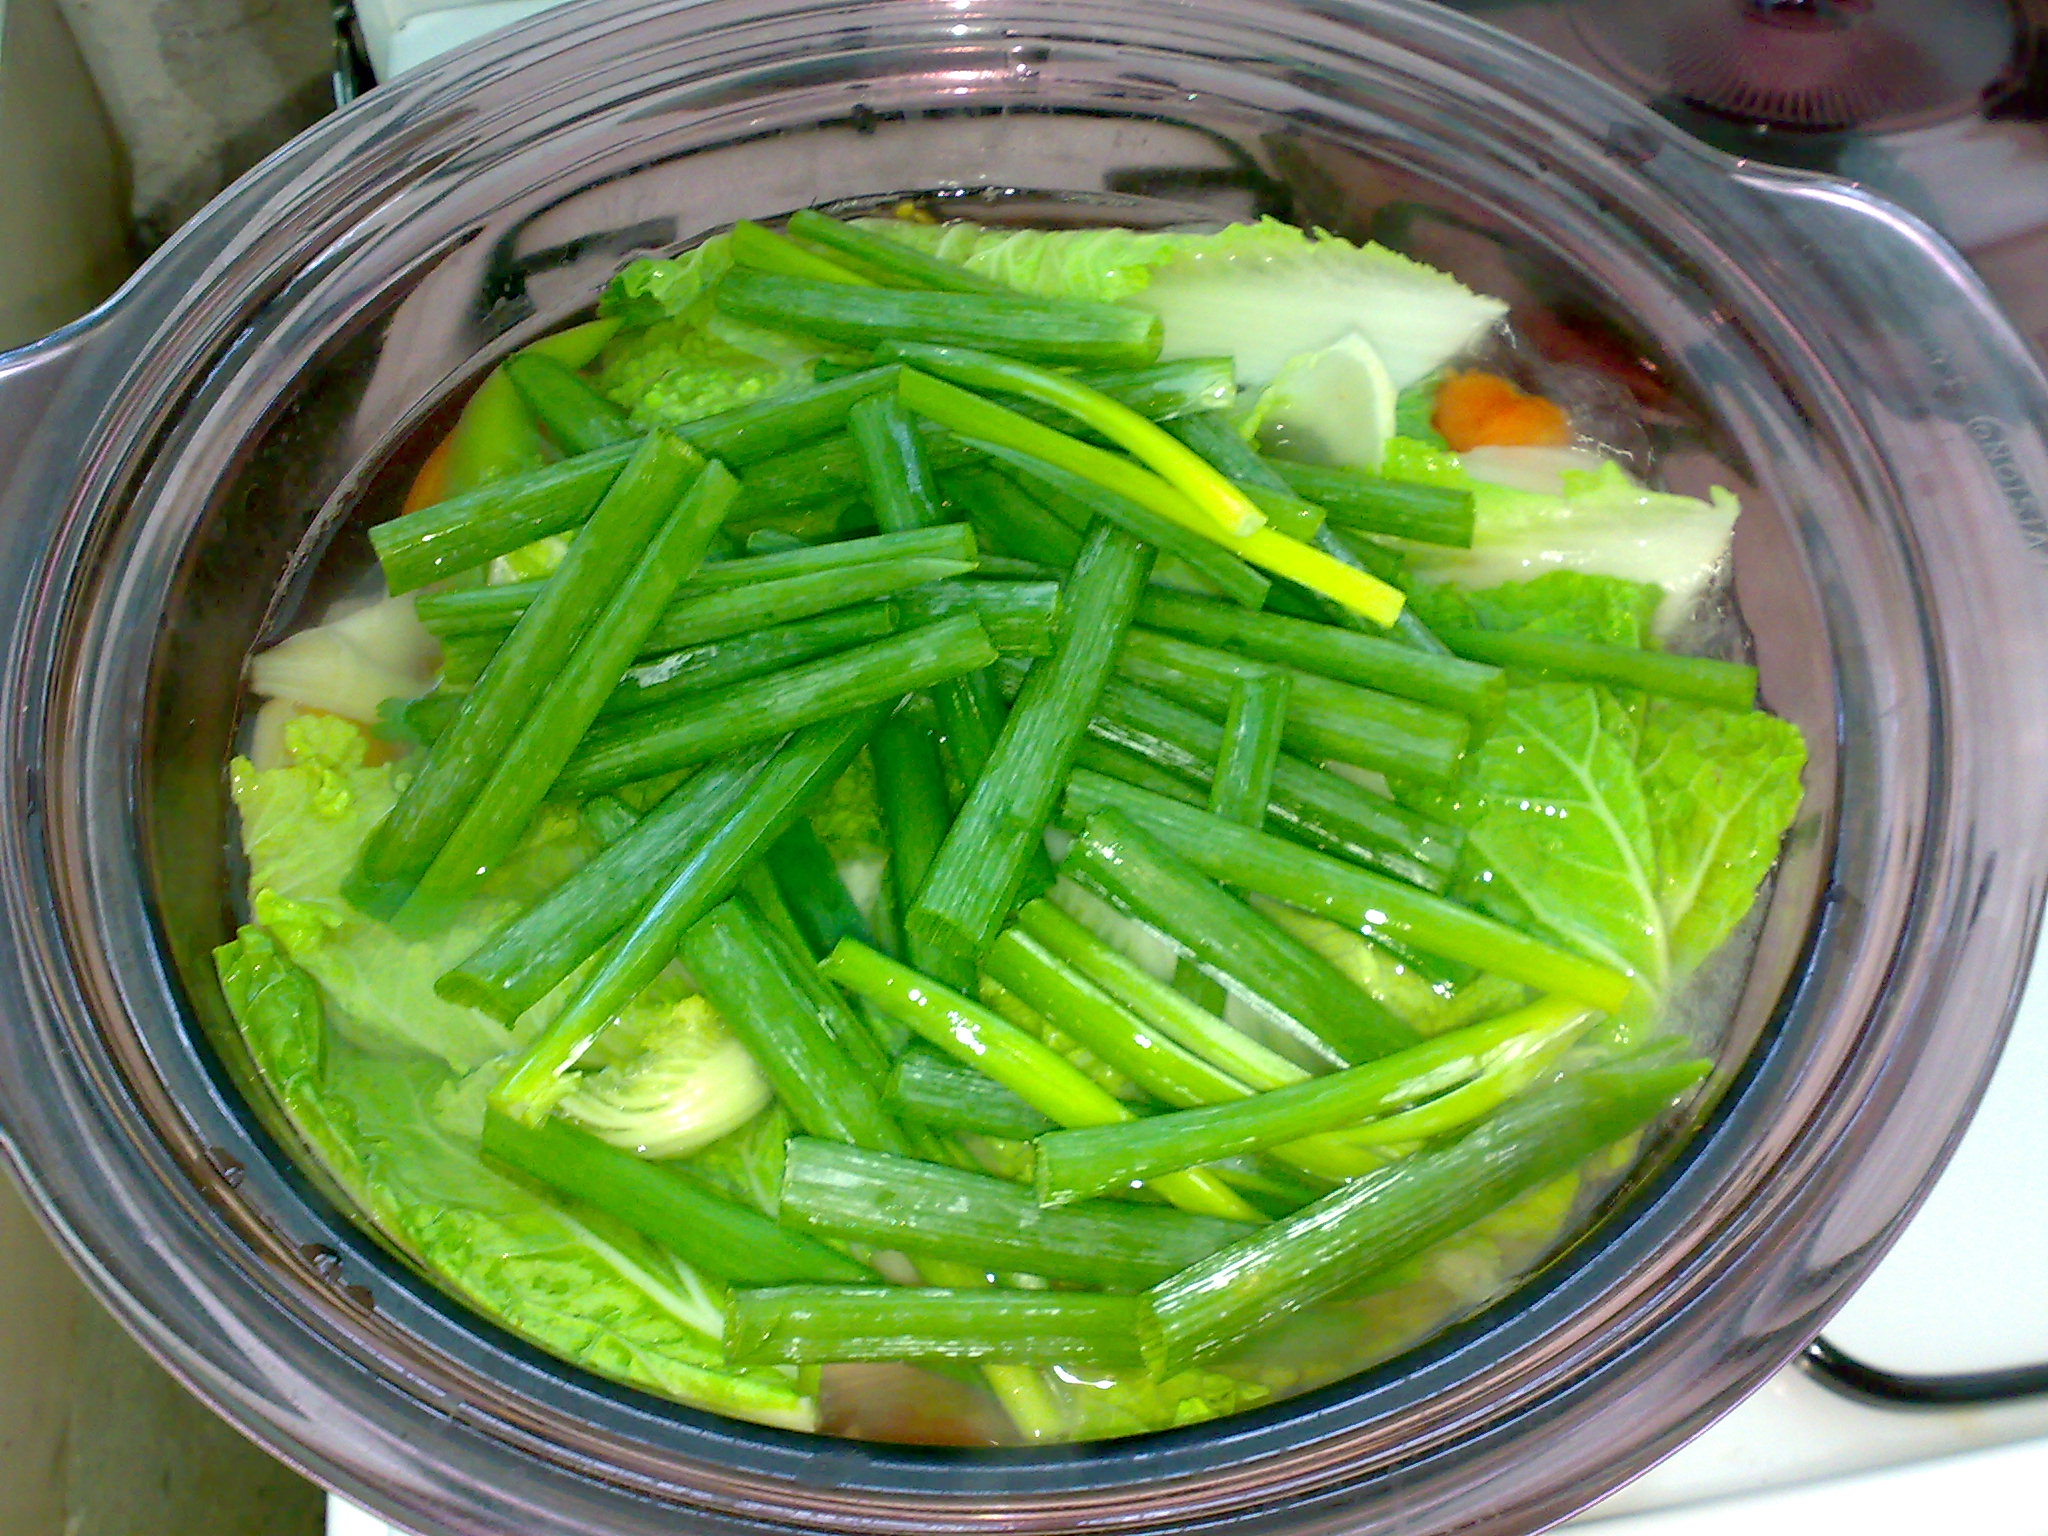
{"x":431,"y":483}
{"x":1484,"y":410}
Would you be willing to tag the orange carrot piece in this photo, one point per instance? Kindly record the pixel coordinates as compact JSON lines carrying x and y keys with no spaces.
{"x":430,"y":485}
{"x":1484,"y":410}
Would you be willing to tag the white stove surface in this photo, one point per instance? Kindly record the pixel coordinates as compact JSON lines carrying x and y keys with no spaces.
{"x":1964,"y":1290}
{"x":403,"y":34}
{"x":1966,"y":1287}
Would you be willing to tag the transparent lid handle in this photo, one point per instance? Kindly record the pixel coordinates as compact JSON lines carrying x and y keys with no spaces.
{"x":30,"y":378}
{"x":1955,"y":394}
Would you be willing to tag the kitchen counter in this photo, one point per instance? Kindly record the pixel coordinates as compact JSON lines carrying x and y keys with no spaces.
{"x":96,"y":1439}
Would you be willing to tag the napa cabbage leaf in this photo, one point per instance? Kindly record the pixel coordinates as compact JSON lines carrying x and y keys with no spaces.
{"x":1722,"y":786}
{"x":302,"y":825}
{"x":1598,"y":521}
{"x":564,"y":1277}
{"x":674,"y":360}
{"x":677,"y":371}
{"x":681,"y":1080}
{"x":654,"y":289}
{"x":359,"y":655}
{"x":1261,"y":293}
{"x":1566,"y":603}
{"x":1635,"y":830}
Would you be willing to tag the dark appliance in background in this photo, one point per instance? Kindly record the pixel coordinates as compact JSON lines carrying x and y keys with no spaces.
{"x":1940,"y":106}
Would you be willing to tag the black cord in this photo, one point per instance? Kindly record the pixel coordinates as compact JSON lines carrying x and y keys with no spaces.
{"x":1892,"y":1389}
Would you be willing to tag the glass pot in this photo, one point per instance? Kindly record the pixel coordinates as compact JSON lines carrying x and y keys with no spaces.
{"x":175,"y":460}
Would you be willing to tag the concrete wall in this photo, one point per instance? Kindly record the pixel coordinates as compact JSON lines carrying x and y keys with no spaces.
{"x":64,"y":236}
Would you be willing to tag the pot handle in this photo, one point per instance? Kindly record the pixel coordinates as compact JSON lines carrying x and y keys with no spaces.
{"x":1958,"y":397}
{"x":30,"y":378}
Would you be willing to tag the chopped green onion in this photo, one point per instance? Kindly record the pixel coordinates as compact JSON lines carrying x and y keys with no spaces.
{"x":910,"y":786}
{"x":759,"y":431}
{"x":1151,"y":445}
{"x":972,"y":416}
{"x":748,"y":977}
{"x":656,"y":741}
{"x":1363,"y":660}
{"x":537,"y":951}
{"x":1040,"y":1076}
{"x":1020,"y":616}
{"x":1252,"y":955}
{"x":1510,"y":1071}
{"x":939,"y":1092}
{"x":1012,"y":520}
{"x":609,"y":818}
{"x":925,"y":1210}
{"x":1206,"y":558}
{"x":1426,"y":514}
{"x":1100,"y":756}
{"x":896,"y":264}
{"x":1725,"y":684}
{"x":970,"y":720}
{"x":812,"y":476}
{"x":1170,"y":390}
{"x":519,"y":780}
{"x":699,"y":618}
{"x":1358,"y":549}
{"x":980,"y":870}
{"x":1312,"y":804}
{"x":1326,"y":719}
{"x":807,"y":1324}
{"x":811,"y":759}
{"x":1251,"y":748}
{"x":1047,"y":330}
{"x":485,"y":610}
{"x":970,"y":1033}
{"x":1091,"y":1160}
{"x":1211,"y":435}
{"x":1240,"y":789}
{"x":401,"y":847}
{"x":1286,"y":512}
{"x":1005,"y":568}
{"x":575,"y":415}
{"x":1374,"y":1223}
{"x":1108,"y":1031}
{"x":494,"y":519}
{"x":1157,"y":1004}
{"x":735,"y":659}
{"x":663,"y":1203}
{"x":756,"y":246}
{"x":1355,"y":898}
{"x":892,"y":457}
{"x":949,"y":541}
{"x":741,"y":610}
{"x":869,"y":1043}
{"x":819,"y":903}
